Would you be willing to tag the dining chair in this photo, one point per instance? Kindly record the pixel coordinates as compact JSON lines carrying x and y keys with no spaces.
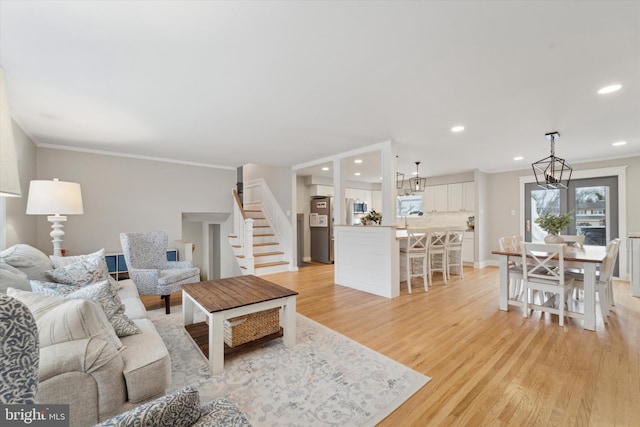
{"x":455,"y":236}
{"x":604,"y":279}
{"x":512,"y":244}
{"x":437,"y":253}
{"x":544,"y":272}
{"x":416,"y":249}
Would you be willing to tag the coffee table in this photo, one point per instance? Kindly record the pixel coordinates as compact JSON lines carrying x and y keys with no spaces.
{"x":232,"y":297}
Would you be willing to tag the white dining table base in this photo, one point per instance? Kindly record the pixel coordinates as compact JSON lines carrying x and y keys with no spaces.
{"x":589,"y":315}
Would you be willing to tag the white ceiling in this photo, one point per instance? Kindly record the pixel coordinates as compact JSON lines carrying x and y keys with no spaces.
{"x":287,"y":83}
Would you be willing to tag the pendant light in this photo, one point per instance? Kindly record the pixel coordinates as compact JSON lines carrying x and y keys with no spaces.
{"x":416,"y":183}
{"x":552,"y":172}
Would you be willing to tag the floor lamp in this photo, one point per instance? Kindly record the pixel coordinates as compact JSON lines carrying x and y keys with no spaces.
{"x":56,"y":199}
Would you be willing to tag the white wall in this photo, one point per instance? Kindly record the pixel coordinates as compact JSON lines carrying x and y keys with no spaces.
{"x":278,"y":180}
{"x":125,"y":194}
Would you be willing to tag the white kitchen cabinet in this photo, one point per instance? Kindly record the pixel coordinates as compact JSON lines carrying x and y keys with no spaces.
{"x":469,"y":196}
{"x":435,"y":199}
{"x":454,"y":197}
{"x":376,"y":201}
{"x":461,"y":197}
{"x":468,"y":247}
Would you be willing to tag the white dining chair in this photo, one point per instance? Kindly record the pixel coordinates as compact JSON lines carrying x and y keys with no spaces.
{"x":416,"y":250}
{"x":512,"y":244}
{"x":604,"y":279}
{"x":455,"y":236}
{"x":437,"y":253}
{"x":545,"y":274}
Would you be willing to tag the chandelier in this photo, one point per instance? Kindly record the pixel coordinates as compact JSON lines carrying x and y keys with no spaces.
{"x":552,"y":172}
{"x":416,"y":183}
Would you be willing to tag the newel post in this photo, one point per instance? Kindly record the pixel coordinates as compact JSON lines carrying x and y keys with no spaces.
{"x":247,"y":246}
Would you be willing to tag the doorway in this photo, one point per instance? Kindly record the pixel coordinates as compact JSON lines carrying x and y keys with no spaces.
{"x":593,"y":201}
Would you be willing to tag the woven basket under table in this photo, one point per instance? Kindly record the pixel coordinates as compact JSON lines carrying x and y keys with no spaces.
{"x":242,"y":329}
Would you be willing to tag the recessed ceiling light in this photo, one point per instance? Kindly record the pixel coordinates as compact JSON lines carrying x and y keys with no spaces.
{"x":457,"y":129}
{"x":619,"y":143}
{"x":357,"y":161}
{"x":325,"y":168}
{"x":357,"y":174}
{"x":609,"y":89}
{"x":518,"y":158}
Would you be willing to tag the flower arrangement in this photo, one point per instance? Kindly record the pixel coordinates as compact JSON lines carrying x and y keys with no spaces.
{"x":553,"y":224}
{"x":372,"y":217}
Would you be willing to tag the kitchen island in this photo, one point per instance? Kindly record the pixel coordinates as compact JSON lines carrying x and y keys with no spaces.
{"x":367,"y":258}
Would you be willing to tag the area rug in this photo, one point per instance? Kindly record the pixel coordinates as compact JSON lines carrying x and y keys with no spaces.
{"x":326,"y":379}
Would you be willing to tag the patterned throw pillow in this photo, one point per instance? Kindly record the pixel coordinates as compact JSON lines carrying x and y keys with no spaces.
{"x":103,"y":293}
{"x":84,"y":269}
{"x":178,"y":409}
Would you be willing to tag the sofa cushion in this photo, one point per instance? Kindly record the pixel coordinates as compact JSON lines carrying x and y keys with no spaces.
{"x":39,"y":304}
{"x":180,"y":408}
{"x":33,"y":262}
{"x":102,"y":293}
{"x":60,"y":320}
{"x":147,"y":366}
{"x":11,"y":277}
{"x":133,"y":306}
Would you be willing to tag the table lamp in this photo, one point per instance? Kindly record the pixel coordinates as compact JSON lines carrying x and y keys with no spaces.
{"x":56,"y":199}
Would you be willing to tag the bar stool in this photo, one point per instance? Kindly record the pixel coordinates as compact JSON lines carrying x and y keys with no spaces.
{"x":455,"y":236}
{"x":417,"y":243}
{"x":437,"y":253}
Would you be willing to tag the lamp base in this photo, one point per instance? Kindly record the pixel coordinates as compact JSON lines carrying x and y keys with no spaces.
{"x":57,"y":233}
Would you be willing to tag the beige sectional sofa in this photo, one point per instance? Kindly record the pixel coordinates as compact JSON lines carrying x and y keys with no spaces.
{"x":83,"y":362}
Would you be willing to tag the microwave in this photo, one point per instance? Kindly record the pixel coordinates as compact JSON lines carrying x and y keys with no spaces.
{"x":359,"y":207}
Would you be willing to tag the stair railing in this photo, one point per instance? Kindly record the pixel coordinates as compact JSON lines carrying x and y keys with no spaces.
{"x":243,"y":230}
{"x":258,"y":193}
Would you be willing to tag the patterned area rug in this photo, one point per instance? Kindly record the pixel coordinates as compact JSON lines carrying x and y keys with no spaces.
{"x":327,"y":379}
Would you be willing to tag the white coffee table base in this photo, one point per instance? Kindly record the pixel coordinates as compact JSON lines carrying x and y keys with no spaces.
{"x":216,"y":323}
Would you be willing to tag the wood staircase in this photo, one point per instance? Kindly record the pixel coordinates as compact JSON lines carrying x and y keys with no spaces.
{"x":268,"y":258}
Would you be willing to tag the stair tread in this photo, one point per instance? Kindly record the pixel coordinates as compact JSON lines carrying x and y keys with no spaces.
{"x":265,"y":244}
{"x":268,"y":253}
{"x":259,"y":254}
{"x":270,"y":264}
{"x":263,"y":235}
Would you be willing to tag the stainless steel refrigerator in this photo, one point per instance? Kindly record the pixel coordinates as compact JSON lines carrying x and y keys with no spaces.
{"x":321,"y":223}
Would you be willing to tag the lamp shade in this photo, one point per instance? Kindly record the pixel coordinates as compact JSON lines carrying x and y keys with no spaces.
{"x":54,"y":197}
{"x":9,"y":178}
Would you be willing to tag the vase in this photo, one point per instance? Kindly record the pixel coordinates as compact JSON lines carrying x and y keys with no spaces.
{"x":553,"y":239}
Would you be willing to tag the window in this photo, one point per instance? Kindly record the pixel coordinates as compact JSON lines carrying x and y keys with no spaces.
{"x":409,"y":205}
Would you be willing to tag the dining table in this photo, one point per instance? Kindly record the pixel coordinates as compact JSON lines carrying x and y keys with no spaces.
{"x":588,"y":258}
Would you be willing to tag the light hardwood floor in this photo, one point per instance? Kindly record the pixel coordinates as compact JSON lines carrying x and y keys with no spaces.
{"x":488,"y":367}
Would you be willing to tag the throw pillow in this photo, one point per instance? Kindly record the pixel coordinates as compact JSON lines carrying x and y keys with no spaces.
{"x":27,"y":259}
{"x":180,"y":409}
{"x":84,"y":270}
{"x":76,"y":319}
{"x":11,"y":277}
{"x":102,"y":293}
{"x":61,"y":261}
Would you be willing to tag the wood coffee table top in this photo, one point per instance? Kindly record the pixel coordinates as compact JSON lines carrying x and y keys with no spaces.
{"x":233,"y":292}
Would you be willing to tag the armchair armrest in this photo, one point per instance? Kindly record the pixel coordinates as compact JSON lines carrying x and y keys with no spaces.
{"x":172,"y":265}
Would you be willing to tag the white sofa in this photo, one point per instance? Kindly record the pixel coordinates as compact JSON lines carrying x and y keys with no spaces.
{"x":87,"y":370}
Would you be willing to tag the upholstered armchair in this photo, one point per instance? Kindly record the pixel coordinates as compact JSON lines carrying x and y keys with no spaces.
{"x":19,"y":353}
{"x":146,"y":258}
